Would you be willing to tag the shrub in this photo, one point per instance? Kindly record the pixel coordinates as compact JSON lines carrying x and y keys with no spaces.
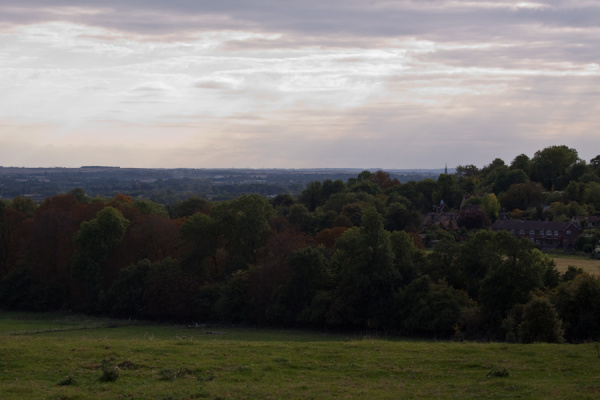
{"x":540,"y":322}
{"x":110,"y":373}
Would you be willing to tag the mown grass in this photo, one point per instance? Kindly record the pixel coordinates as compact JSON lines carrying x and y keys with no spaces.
{"x":23,"y":323}
{"x":167,"y":362}
{"x":587,"y":264}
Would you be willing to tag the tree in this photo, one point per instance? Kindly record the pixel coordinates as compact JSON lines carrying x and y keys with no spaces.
{"x":312,"y":196}
{"x":447,"y":190}
{"x":199,"y":246}
{"x":519,"y":269}
{"x":490,"y":206}
{"x":398,"y":217}
{"x":591,"y":195}
{"x":50,"y":245}
{"x":522,"y":196}
{"x":516,"y":176}
{"x":80,"y":195}
{"x":192,"y":206}
{"x":363,"y":265}
{"x":494,"y":176}
{"x":26,"y":206}
{"x":578,"y":304}
{"x":283,"y":200}
{"x":424,"y":194}
{"x":149,"y":207}
{"x":308,"y":275}
{"x":243,"y":224}
{"x":125,"y":298}
{"x":408,"y":259}
{"x":472,"y":219}
{"x":269,"y":276}
{"x":466,"y":171}
{"x":94,"y":240}
{"x":540,"y":322}
{"x":521,"y":162}
{"x":330,"y":187}
{"x":383,"y":180}
{"x":551,"y":166}
{"x":169,"y":292}
{"x":12,"y":233}
{"x":425,"y":307}
{"x":150,"y":236}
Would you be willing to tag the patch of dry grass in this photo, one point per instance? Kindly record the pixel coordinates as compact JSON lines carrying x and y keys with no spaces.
{"x":590,"y":266}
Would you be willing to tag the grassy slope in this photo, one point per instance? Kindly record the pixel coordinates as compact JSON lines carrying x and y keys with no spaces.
{"x":157,"y":362}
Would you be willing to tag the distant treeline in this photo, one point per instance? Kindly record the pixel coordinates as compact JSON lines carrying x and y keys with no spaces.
{"x":343,"y":254}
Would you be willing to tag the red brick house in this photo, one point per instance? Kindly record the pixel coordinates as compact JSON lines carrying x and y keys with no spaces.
{"x":544,"y":233}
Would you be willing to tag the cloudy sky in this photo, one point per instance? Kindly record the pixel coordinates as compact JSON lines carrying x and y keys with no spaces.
{"x":312,"y":83}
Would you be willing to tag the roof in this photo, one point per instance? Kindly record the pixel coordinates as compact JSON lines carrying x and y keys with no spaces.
{"x":537,"y":225}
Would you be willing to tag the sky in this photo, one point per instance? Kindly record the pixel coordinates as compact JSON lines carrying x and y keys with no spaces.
{"x":296,"y":84}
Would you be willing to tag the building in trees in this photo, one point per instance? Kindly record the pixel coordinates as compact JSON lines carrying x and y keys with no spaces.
{"x":544,"y":233}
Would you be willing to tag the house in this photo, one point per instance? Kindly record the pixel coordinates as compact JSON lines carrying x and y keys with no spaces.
{"x":586,"y":221}
{"x":446,"y":220}
{"x":554,"y":234}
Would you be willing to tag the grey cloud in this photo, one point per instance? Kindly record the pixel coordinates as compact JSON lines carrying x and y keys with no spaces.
{"x":521,"y":55}
{"x":355,"y":18}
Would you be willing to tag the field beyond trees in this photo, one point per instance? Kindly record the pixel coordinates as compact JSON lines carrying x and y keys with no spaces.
{"x":175,"y":362}
{"x":588,"y":265}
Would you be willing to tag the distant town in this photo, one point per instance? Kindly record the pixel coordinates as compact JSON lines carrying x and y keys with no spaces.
{"x":168,"y":186}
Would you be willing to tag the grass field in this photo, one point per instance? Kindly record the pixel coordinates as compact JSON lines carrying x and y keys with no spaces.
{"x":169,"y":362}
{"x":588,"y":265}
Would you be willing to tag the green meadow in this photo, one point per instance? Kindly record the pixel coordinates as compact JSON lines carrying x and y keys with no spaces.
{"x":54,"y":356}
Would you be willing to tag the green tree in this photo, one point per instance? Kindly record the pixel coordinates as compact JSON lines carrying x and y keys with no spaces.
{"x":308,"y":276}
{"x":540,"y":322}
{"x":364,"y":268}
{"x":521,"y":162}
{"x":448,"y":191}
{"x":26,"y":206}
{"x":591,"y":195}
{"x":399,"y":217}
{"x":490,"y":206}
{"x":551,"y":166}
{"x":425,"y":307}
{"x":518,"y":270}
{"x":94,"y":240}
{"x":312,"y":195}
{"x":578,"y":304}
{"x":199,"y":247}
{"x":330,"y":187}
{"x":80,"y":195}
{"x":243,"y":224}
{"x":125,"y":298}
{"x":522,"y":196}
{"x":424,"y":197}
{"x":149,"y":207}
{"x":191,"y":206}
{"x":408,"y":259}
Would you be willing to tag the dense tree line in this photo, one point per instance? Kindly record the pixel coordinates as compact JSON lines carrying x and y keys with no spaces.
{"x":343,"y":255}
